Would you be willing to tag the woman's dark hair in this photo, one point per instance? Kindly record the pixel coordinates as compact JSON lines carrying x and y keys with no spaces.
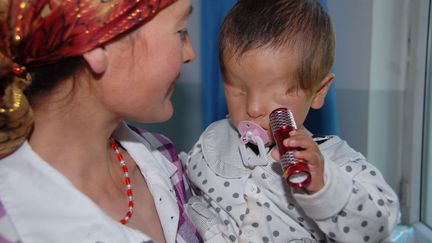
{"x":46,"y":78}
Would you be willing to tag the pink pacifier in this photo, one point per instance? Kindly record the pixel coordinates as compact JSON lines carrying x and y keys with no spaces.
{"x":249,"y":130}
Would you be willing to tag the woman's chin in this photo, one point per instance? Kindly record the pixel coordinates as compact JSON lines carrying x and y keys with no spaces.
{"x":161,"y":115}
{"x":167,"y":113}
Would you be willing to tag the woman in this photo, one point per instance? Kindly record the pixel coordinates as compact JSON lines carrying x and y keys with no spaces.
{"x":72,"y":170}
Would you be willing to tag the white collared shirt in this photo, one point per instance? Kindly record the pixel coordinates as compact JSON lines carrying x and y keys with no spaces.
{"x":44,"y":206}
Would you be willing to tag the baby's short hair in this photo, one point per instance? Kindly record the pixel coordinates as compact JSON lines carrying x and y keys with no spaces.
{"x":302,"y":25}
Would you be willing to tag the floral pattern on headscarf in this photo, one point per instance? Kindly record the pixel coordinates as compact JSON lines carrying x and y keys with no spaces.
{"x":36,"y":32}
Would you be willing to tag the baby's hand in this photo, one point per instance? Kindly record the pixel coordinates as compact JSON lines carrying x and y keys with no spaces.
{"x":307,"y":149}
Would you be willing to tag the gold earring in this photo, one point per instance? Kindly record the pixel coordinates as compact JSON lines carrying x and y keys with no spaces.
{"x":16,"y":115}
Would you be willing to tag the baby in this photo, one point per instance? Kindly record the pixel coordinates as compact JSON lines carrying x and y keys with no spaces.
{"x":278,"y":54}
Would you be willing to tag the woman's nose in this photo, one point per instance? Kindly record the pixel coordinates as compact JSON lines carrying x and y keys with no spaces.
{"x":189,"y":53}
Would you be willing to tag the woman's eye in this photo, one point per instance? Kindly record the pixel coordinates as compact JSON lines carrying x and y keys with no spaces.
{"x":183,"y":34}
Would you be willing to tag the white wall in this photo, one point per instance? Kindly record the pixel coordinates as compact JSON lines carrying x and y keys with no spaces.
{"x":388,"y":64}
{"x":370,"y":70}
{"x":352,"y":20}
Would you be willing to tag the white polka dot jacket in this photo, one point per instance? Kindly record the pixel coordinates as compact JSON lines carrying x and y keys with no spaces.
{"x":236,"y":203}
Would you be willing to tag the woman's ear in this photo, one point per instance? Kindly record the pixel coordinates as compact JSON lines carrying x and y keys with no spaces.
{"x":97,"y":60}
{"x":319,"y":96}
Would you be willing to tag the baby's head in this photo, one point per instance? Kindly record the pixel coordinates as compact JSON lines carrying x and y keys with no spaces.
{"x":274,"y":54}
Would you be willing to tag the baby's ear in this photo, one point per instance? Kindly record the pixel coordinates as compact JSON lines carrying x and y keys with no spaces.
{"x":320,"y":94}
{"x":97,"y":60}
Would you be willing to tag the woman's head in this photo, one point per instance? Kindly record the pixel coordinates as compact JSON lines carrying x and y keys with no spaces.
{"x":55,"y":40}
{"x":139,"y":72}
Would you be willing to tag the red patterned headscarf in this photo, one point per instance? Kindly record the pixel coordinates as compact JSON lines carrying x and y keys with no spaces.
{"x":40,"y":32}
{"x":35,"y":32}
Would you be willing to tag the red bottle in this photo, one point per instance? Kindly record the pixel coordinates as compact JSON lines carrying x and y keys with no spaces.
{"x":295,"y":171}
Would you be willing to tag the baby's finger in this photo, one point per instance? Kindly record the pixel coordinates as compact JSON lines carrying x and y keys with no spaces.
{"x":300,"y":132}
{"x":312,"y":158}
{"x":300,"y":141}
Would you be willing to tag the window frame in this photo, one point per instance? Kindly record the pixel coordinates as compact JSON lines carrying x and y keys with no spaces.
{"x":425,"y":230}
{"x":419,"y":78}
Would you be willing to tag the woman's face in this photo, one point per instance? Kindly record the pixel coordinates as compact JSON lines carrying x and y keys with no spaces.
{"x":143,"y":67}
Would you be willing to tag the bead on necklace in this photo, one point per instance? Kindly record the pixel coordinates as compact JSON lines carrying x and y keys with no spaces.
{"x":127,"y":182}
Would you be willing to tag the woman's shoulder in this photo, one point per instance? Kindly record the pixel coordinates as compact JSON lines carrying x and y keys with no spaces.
{"x":10,"y":167}
{"x":17,"y":161}
{"x":157,"y":141}
{"x":8,"y":233}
